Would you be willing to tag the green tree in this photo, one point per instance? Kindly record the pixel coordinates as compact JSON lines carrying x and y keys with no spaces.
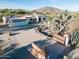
{"x":20,"y":11}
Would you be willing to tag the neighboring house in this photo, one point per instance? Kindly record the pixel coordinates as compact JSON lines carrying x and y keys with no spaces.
{"x":23,"y":20}
{"x":40,"y":18}
{"x":16,"y":21}
{"x":5,"y":20}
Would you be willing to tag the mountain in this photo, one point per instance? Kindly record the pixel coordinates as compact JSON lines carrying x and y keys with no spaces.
{"x":48,"y":10}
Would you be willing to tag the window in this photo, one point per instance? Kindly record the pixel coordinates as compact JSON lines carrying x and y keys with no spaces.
{"x":18,"y":20}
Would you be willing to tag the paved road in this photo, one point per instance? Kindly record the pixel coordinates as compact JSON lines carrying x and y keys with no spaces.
{"x":25,"y":37}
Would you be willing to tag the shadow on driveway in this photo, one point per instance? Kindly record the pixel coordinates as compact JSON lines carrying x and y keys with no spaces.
{"x":21,"y":53}
{"x":54,"y":50}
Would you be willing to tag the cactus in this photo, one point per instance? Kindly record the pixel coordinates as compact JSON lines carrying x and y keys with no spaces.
{"x":75,"y":38}
{"x":59,"y":22}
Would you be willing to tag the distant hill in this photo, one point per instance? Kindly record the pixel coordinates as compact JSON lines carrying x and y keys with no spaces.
{"x":48,"y":10}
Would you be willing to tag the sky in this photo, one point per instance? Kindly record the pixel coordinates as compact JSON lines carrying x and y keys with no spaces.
{"x":71,"y":5}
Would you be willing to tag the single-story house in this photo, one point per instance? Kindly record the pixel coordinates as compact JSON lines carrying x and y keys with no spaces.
{"x":23,"y":20}
{"x":16,"y":21}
